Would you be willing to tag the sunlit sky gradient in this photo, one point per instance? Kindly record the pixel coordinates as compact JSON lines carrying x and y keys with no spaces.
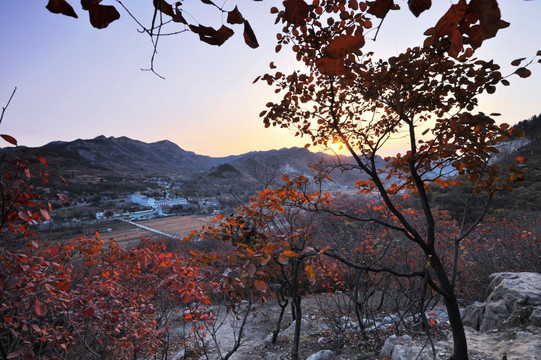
{"x":75,"y":81}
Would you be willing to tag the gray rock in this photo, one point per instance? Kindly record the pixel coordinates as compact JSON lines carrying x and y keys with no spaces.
{"x":535,"y":317}
{"x":397,"y":348}
{"x":514,"y":300}
{"x":322,"y":355}
{"x":307,"y":328}
{"x":473,"y":315}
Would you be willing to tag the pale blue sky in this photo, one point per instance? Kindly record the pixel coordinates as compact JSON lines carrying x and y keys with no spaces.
{"x":75,"y":81}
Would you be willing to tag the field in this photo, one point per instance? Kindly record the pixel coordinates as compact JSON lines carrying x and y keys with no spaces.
{"x":129,"y":234}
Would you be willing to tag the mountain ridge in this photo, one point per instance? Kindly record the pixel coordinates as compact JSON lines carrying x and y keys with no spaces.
{"x":112,"y":159}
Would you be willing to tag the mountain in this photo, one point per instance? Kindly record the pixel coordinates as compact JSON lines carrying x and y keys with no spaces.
{"x":127,"y":155}
{"x":109,"y":166}
{"x":525,"y":195}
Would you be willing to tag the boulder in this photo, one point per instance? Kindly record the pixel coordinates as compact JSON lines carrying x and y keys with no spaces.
{"x":322,"y":355}
{"x":399,"y":348}
{"x":514,"y":300}
{"x":473,"y":314}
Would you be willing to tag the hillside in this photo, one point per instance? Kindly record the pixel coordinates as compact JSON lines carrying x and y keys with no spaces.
{"x":109,"y":166}
{"x":126,"y":155}
{"x":525,"y":195}
{"x":115,"y":167}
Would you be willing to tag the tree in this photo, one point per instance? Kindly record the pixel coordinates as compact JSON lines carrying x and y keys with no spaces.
{"x":167,"y":20}
{"x":466,"y":24}
{"x":82,"y":298}
{"x":426,"y":95}
{"x":266,"y":247}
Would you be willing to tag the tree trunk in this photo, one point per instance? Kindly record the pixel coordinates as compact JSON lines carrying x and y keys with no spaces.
{"x":460,"y":344}
{"x":296,"y":304}
{"x":297,"y":335}
{"x":279,"y":322}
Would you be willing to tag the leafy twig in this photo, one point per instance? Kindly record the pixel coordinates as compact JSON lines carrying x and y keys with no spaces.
{"x":4,"y":108}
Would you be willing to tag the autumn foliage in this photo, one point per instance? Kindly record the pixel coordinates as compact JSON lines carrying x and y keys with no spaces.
{"x":88,"y":298}
{"x":85,"y":298}
{"x":427,"y":97}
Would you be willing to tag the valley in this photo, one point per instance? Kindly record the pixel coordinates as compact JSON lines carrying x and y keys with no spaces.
{"x":128,"y":234}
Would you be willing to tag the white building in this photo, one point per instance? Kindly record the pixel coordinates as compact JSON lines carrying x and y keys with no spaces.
{"x":143,"y":200}
{"x":153,"y":203}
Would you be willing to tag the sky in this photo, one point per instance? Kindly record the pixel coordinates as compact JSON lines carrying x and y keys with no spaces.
{"x":74,"y":81}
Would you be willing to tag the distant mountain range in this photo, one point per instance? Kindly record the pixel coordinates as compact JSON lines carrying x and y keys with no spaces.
{"x":123,"y":154}
{"x":123,"y":165}
{"x":126,"y":155}
{"x":124,"y":160}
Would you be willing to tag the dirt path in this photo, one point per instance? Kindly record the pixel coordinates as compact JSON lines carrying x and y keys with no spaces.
{"x":257,"y":345}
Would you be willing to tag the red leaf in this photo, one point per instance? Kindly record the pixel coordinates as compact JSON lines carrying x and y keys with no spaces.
{"x":43,"y":161}
{"x":63,"y":285}
{"x":45,"y":214}
{"x":235,"y":17}
{"x":380,"y":8}
{"x":61,"y":7}
{"x":88,"y":312}
{"x":63,"y":180}
{"x":517,"y":62}
{"x":249,"y":36}
{"x":296,"y":12}
{"x":489,"y":16}
{"x":330,"y":67}
{"x":260,"y":285}
{"x":343,"y":45}
{"x":102,"y":15}
{"x":39,"y":308}
{"x":310,"y":273}
{"x":53,"y":251}
{"x":520,"y":159}
{"x":324,"y":250}
{"x":523,"y":72}
{"x":10,"y":139}
{"x":418,"y":6}
{"x":212,"y":36}
{"x":23,"y":215}
{"x":448,"y":23}
{"x":290,"y":253}
{"x":63,"y":197}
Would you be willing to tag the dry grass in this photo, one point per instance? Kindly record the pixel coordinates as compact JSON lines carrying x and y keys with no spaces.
{"x":128,"y":235}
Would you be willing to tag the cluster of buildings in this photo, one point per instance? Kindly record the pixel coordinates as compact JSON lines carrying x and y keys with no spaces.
{"x":157,"y":204}
{"x":158,"y":207}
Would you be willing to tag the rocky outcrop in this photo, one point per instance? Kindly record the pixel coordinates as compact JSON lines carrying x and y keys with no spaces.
{"x":507,"y":324}
{"x":492,"y":345}
{"x":399,"y":348}
{"x":322,"y":355}
{"x":514,"y":300}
